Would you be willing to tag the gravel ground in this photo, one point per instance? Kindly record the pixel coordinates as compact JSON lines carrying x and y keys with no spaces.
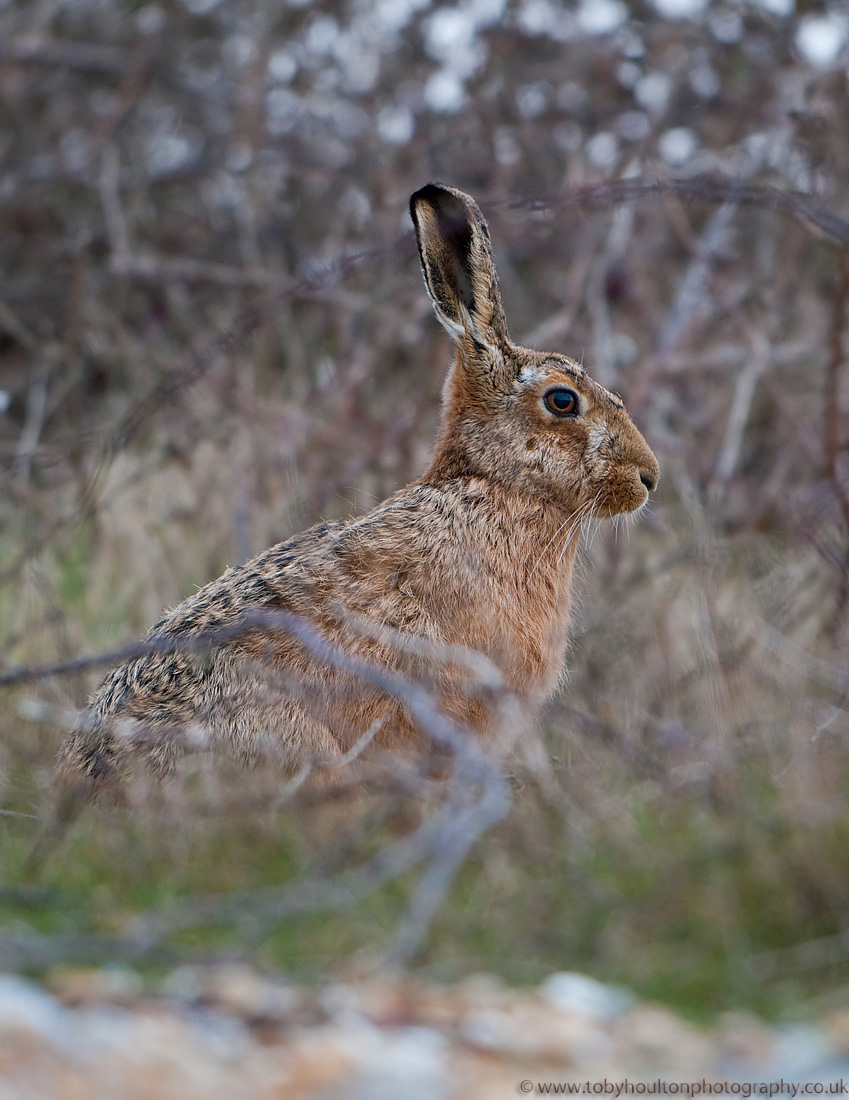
{"x":232,"y":1033}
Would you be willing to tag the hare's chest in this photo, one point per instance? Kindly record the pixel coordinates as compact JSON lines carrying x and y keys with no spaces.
{"x":524,"y":630}
{"x":535,"y":651}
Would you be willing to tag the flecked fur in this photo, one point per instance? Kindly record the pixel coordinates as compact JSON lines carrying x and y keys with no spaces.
{"x":478,"y":552}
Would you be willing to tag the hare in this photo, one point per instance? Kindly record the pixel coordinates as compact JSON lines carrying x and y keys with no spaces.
{"x":476,"y":555}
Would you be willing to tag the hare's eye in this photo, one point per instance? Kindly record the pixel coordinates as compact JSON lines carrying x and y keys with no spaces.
{"x":561,"y":402}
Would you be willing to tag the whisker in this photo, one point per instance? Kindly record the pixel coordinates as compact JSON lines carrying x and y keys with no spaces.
{"x":594,"y":528}
{"x":571,"y":522}
{"x":547,"y":545}
{"x":578,"y":522}
{"x":571,"y":525}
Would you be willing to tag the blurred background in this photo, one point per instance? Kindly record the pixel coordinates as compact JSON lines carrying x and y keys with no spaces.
{"x":213,"y":333}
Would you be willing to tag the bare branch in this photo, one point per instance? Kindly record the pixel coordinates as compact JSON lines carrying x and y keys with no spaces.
{"x":709,"y":189}
{"x":477,"y":795}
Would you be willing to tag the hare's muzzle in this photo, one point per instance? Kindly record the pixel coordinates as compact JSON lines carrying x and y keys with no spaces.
{"x":631,"y":481}
{"x":642,"y":456}
{"x":648,"y":472}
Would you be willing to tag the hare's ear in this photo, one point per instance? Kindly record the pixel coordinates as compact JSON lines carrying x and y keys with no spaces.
{"x":457,"y":263}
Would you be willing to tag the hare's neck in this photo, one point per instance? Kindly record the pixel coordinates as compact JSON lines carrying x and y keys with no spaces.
{"x":452,"y":458}
{"x":525,"y":546}
{"x":532,"y":541}
{"x":541,"y":543}
{"x":531,"y":547}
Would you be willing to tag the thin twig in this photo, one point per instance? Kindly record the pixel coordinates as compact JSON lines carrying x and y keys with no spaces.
{"x":34,"y":423}
{"x":834,"y":446}
{"x":709,"y":189}
{"x":113,"y":211}
{"x":741,"y":404}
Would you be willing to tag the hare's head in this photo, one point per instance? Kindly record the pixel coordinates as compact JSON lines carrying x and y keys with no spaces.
{"x":532,"y":420}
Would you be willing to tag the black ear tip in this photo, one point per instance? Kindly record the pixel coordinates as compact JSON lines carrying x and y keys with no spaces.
{"x":455,"y":211}
{"x":432,"y":193}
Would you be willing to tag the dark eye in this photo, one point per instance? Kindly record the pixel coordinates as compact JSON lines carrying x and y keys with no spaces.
{"x":561,"y":402}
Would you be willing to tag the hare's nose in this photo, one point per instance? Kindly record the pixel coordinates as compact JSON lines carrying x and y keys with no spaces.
{"x":649,"y":480}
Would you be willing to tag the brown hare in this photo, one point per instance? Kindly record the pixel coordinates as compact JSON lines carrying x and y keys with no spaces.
{"x":477,"y":553}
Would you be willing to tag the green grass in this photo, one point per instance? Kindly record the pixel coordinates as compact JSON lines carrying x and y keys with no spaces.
{"x":675,"y":906}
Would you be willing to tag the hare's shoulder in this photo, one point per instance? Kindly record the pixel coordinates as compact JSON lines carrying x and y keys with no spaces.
{"x":284,"y":576}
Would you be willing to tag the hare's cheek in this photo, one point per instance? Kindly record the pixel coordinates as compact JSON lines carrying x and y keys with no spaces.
{"x":596,"y":451}
{"x":595,"y":460}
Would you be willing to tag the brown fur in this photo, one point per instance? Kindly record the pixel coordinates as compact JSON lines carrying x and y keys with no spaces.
{"x":478,"y":553}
